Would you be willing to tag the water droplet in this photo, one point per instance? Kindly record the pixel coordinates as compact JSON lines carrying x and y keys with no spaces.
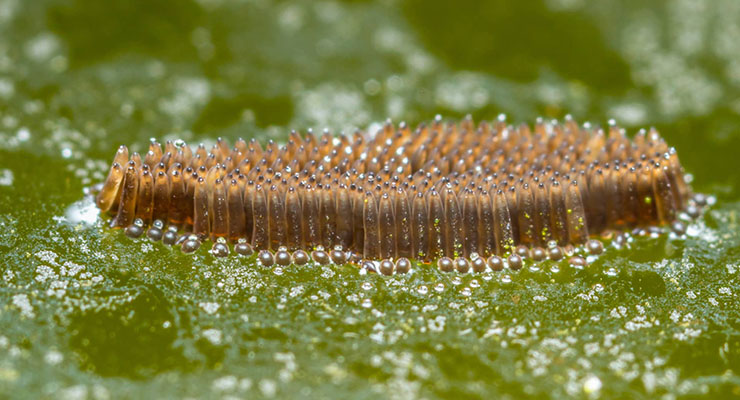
{"x":366,"y":286}
{"x":466,"y":291}
{"x":439,"y":288}
{"x":366,"y":303}
{"x":278,"y":271}
{"x":456,"y":280}
{"x":474,"y":283}
{"x":611,"y":271}
{"x":422,"y":290}
{"x":506,"y":279}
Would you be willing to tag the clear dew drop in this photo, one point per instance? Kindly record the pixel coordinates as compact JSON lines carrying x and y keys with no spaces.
{"x":466,"y":291}
{"x":423,"y":290}
{"x":577,"y":267}
{"x":456,"y":280}
{"x":474,"y":284}
{"x":439,"y":288}
{"x":366,"y":303}
{"x":611,"y":271}
{"x":506,"y":278}
{"x":555,"y":269}
{"x":278,"y":271}
{"x":366,"y":286}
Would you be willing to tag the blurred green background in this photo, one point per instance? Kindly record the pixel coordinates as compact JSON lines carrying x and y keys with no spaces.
{"x":87,"y":313}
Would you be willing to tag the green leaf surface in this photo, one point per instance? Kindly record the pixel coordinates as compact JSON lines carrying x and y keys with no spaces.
{"x":86,"y":313}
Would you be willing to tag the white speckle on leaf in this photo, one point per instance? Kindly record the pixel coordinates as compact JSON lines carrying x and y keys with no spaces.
{"x":210,"y":308}
{"x":45,"y":273}
{"x":268,"y":387}
{"x":686,"y":334}
{"x":591,"y":385}
{"x":224,"y":383}
{"x":71,"y":269}
{"x":333,"y":106}
{"x":77,"y":392}
{"x":437,"y":324}
{"x":53,"y":357}
{"x":214,"y":336}
{"x":6,"y":177}
{"x":24,"y":305}
{"x":42,"y":47}
{"x":83,"y":212}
